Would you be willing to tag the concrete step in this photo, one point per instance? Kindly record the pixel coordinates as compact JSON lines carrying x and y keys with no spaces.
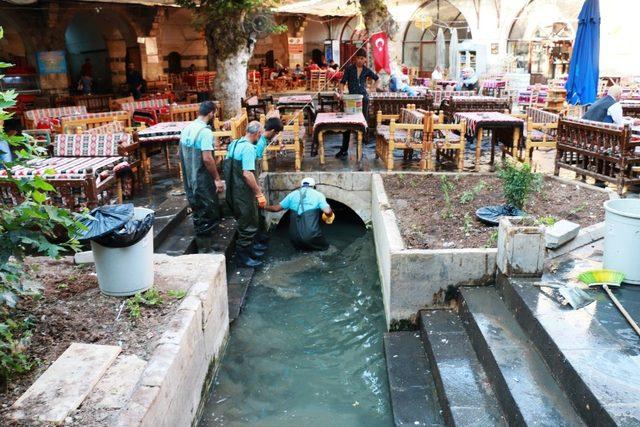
{"x":238,"y":281}
{"x":180,"y":240}
{"x":411,"y":387}
{"x":465,"y":394}
{"x":592,"y":352}
{"x":169,"y":215}
{"x":523,"y":384}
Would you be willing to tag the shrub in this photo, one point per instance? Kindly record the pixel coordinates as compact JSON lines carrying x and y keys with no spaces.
{"x":518,"y":182}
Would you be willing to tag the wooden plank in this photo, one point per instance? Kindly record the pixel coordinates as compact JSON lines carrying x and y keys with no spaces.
{"x":65,"y":385}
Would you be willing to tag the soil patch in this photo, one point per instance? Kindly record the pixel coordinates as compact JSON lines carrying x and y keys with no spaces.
{"x":427,"y":221}
{"x":71,"y":308}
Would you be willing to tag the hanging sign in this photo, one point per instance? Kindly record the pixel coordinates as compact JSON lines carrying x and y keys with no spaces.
{"x":296,"y":51}
{"x":53,"y":62}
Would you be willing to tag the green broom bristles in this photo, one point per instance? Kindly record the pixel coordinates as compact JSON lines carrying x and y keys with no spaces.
{"x":597,"y":277}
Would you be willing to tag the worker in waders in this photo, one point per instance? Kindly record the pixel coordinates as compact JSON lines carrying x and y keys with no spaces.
{"x":307,"y":206}
{"x":272,"y":128}
{"x":202,"y":183}
{"x":244,"y":195}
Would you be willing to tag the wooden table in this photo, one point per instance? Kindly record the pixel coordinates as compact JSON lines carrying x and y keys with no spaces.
{"x":337,"y":123}
{"x":298,"y":102}
{"x":159,"y":135}
{"x":493,"y":120}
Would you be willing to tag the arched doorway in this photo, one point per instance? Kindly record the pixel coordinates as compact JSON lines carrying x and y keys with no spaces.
{"x":174,"y":60}
{"x":351,"y":40}
{"x":269,"y":59}
{"x":541,"y":37}
{"x":108,"y":41}
{"x":316,"y":56}
{"x":419,"y":46}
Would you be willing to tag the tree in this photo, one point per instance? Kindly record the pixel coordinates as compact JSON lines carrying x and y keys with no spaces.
{"x":29,"y":227}
{"x":231,"y":28}
{"x":377,"y":17}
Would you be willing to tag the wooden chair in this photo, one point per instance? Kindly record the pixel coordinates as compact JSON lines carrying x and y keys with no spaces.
{"x":292,"y":138}
{"x":448,"y":140}
{"x":83,"y":122}
{"x":411,"y":132}
{"x":183,"y":112}
{"x":116,"y":104}
{"x":34,"y":117}
{"x":603,"y":151}
{"x":541,"y":129}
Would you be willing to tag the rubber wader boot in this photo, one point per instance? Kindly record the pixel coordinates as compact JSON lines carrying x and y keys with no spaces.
{"x":244,"y":259}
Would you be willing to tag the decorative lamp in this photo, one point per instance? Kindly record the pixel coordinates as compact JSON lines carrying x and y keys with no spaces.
{"x":423,"y":21}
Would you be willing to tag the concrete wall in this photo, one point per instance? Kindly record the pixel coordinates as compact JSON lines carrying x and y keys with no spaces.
{"x":413,"y":279}
{"x":352,"y":189}
{"x":172,"y":384}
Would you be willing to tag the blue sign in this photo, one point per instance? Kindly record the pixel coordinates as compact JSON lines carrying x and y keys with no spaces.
{"x":53,"y":62}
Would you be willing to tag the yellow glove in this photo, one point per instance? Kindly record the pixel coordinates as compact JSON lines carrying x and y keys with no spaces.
{"x":328,"y":219}
{"x":262,"y":201}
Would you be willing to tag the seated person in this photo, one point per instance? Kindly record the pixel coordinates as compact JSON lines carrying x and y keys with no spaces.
{"x":333,"y":65}
{"x":469,"y":80}
{"x":398,"y":82}
{"x":608,"y":108}
{"x":298,"y":72}
{"x":307,"y":206}
{"x":437,"y":73}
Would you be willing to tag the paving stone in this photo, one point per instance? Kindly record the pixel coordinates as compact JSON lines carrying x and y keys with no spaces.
{"x":524,"y":386}
{"x":411,"y":386}
{"x":465,"y":394}
{"x":67,"y":382}
{"x":115,"y":387}
{"x":560,"y":233}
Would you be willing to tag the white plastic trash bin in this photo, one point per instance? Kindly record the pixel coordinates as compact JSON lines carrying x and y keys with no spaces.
{"x":125,"y":271}
{"x":622,"y":238}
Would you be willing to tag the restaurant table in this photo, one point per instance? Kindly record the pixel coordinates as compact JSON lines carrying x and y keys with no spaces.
{"x":298,"y":102}
{"x":493,"y":120}
{"x":160,"y":136}
{"x":445,"y":83}
{"x":337,"y":123}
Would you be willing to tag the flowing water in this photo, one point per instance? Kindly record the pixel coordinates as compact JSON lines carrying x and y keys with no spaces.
{"x":307,"y":349}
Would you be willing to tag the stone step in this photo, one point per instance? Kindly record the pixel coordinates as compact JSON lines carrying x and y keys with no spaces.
{"x":65,"y":384}
{"x":168,"y":215}
{"x":411,"y":387}
{"x":238,"y":281}
{"x":465,"y":394}
{"x":528,"y":393}
{"x":180,"y":240}
{"x":592,"y":351}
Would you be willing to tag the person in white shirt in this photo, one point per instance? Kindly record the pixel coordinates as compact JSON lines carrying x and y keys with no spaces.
{"x":437,"y":73}
{"x":608,"y":108}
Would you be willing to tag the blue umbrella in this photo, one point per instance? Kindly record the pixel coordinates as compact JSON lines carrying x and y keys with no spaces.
{"x":582,"y":85}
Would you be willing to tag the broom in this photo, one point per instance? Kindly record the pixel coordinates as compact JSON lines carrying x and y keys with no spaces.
{"x":606,"y":278}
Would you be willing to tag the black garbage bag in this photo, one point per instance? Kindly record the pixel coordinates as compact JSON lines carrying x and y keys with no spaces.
{"x":104,"y":219}
{"x":114,"y":226}
{"x":491,"y":214}
{"x":305,"y":232}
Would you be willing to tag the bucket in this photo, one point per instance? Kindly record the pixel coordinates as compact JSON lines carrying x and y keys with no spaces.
{"x":125,"y":271}
{"x":353,"y":103}
{"x":622,"y":238}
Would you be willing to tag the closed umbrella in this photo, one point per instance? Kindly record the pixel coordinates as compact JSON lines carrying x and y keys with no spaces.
{"x":582,"y":85}
{"x":453,"y":54}
{"x":441,"y":56}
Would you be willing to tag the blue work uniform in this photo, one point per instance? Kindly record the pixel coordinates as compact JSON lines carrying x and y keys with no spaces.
{"x":199,"y":185}
{"x":305,"y":206}
{"x":241,"y":157}
{"x":261,"y":145}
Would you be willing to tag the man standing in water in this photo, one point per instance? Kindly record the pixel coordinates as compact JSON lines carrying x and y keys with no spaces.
{"x":355,"y":78}
{"x":244,"y":195}
{"x":201,"y":178}
{"x":306,"y":205}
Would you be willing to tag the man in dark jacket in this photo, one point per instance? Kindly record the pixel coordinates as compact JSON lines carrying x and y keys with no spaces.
{"x":355,"y":78}
{"x":135,"y":81}
{"x":607,"y":109}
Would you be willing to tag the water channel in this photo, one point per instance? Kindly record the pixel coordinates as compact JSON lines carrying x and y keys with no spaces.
{"x":307,"y":348}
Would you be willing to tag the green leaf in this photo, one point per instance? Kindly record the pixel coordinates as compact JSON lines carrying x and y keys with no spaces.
{"x":39,"y":197}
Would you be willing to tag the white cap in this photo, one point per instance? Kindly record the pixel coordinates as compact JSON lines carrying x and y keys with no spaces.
{"x":308,"y":181}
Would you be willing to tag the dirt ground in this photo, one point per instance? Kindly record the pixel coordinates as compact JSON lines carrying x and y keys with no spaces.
{"x":72,"y":309}
{"x":426,"y":221}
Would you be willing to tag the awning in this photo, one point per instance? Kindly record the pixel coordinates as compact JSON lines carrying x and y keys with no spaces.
{"x":319,"y":8}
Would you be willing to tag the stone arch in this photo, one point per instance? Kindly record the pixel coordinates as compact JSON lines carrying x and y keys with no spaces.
{"x":12,"y":34}
{"x":418,"y":46}
{"x":360,"y":205}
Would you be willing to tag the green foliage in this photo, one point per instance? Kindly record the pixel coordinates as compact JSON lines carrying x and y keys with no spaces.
{"x":518,"y":182}
{"x":469,"y":196}
{"x":492,"y":241}
{"x":546,"y":220}
{"x":467,"y":224}
{"x":177,"y":294}
{"x":28,"y":228}
{"x":149,"y":298}
{"x":447,"y":187}
{"x":14,"y":337}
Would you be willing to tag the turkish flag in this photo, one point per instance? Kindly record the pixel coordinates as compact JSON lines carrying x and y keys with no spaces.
{"x":380,"y":47}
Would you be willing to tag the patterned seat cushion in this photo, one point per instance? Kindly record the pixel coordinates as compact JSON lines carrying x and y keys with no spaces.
{"x":42,"y":113}
{"x":141,"y":105}
{"x":73,"y":168}
{"x":537,"y":135}
{"x":88,"y":145}
{"x":114,"y":127}
{"x":441,"y":136}
{"x":288,"y":135}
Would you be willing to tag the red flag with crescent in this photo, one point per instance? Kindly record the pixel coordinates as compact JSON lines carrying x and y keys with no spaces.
{"x":380,"y":47}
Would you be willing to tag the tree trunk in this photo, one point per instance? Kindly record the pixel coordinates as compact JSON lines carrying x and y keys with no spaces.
{"x":377,"y":17}
{"x":230,"y":83}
